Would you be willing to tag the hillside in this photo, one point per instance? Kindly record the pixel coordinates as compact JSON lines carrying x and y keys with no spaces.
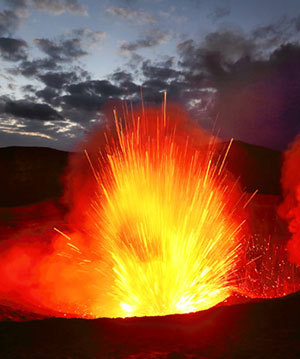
{"x":266,"y":329}
{"x":32,"y":174}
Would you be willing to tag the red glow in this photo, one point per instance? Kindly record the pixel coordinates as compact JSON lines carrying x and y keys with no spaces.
{"x":155,"y":226}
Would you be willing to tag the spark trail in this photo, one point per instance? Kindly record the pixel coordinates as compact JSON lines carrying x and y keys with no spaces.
{"x":163,"y":219}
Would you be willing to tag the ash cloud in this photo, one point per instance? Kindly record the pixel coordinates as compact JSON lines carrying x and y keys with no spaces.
{"x":290,"y":208}
{"x":257,"y":97}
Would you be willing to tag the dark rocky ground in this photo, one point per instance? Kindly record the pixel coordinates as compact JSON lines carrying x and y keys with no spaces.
{"x":267,"y":329}
{"x":29,"y":191}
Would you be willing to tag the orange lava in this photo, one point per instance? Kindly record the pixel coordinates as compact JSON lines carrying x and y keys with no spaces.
{"x":162,"y":219}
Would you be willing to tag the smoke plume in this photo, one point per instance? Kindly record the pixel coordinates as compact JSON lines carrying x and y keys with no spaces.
{"x":290,"y":208}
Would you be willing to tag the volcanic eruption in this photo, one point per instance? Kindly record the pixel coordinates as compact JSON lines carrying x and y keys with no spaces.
{"x":154,"y":224}
{"x":162,"y":214}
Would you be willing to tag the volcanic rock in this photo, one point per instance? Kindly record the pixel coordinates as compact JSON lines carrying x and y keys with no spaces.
{"x":266,"y":329}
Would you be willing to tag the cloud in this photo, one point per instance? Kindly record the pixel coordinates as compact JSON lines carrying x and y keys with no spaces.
{"x":58,"y":80}
{"x":136,"y":16}
{"x":18,"y":11}
{"x":29,"y":68}
{"x":25,"y":132}
{"x":64,"y":50}
{"x":30,"y":110}
{"x":163,"y":71}
{"x":85,"y":102}
{"x":257,"y":97}
{"x":121,"y":76}
{"x":251,"y":81}
{"x":58,"y":7}
{"x":151,"y":38}
{"x":13,"y":49}
{"x":60,"y":53}
{"x":55,"y":7}
{"x":219,"y":13}
{"x":9,"y":22}
{"x":216,"y":52}
{"x":102,"y":87}
{"x":273,"y":35}
{"x":47,"y":94}
{"x":90,"y":35}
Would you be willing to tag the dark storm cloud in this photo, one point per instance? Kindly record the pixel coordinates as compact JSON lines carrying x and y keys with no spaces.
{"x":91,"y":95}
{"x":65,"y":50}
{"x":103,"y":88}
{"x":28,"y":89}
{"x":258,"y":97}
{"x":55,"y":7}
{"x":151,"y":38}
{"x":216,"y":52}
{"x":29,"y":68}
{"x":155,"y":84}
{"x":129,"y":88}
{"x":121,"y":76}
{"x":260,"y":100}
{"x":58,"y":79}
{"x":250,"y":81}
{"x":85,"y":102}
{"x":47,"y":94}
{"x":156,"y":78}
{"x":13,"y":49}
{"x":31,"y":110}
{"x":163,"y":71}
{"x":124,"y":81}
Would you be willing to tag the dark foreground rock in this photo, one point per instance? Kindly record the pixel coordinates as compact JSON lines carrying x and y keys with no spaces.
{"x":268,"y":329}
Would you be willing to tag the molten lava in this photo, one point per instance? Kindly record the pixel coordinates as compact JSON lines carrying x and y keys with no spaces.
{"x":163,"y":220}
{"x":155,"y":226}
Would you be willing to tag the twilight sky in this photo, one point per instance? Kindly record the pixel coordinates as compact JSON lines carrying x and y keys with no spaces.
{"x":63,"y":60}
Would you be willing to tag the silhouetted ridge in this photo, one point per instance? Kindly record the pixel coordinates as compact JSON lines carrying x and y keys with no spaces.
{"x":32,"y":174}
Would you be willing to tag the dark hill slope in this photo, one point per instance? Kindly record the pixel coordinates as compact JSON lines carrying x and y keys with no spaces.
{"x":258,"y":167}
{"x":32,"y":174}
{"x":268,"y":329}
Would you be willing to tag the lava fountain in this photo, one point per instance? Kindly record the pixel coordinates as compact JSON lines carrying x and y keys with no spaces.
{"x":164,"y":218}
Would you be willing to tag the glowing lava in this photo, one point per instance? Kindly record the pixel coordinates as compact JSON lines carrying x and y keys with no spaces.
{"x":163,"y":219}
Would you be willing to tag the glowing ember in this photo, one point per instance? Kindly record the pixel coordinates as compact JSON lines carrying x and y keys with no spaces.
{"x":162,"y":220}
